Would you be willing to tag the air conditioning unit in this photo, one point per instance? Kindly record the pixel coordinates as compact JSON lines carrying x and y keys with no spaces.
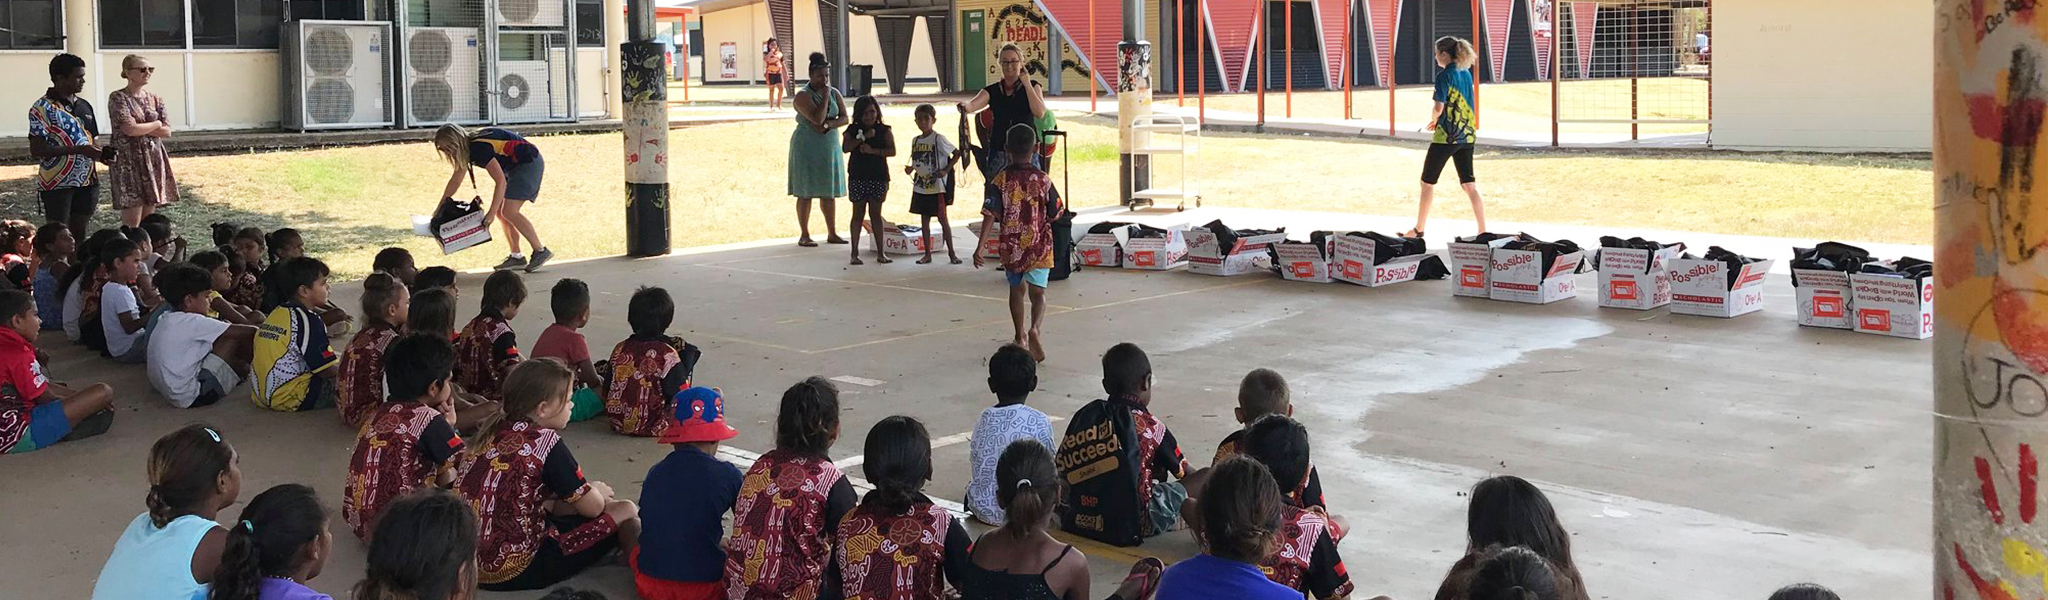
{"x":530,"y":13}
{"x":337,"y":75}
{"x":526,"y":92}
{"x":444,"y":80}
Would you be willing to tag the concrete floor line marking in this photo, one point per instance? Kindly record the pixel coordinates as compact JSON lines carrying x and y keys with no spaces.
{"x":1004,"y":321}
{"x":727,"y":338}
{"x":866,"y":284}
{"x":1172,"y":294}
{"x":744,"y":459}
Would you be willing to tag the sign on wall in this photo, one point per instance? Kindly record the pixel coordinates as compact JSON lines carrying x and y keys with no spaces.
{"x":729,"y":60}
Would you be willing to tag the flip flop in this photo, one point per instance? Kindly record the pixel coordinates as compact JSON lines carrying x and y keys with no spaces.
{"x":1146,"y":573}
{"x":924,"y":261}
{"x":807,"y":243}
{"x":1412,"y":233}
{"x":883,"y":260}
{"x":835,"y":240}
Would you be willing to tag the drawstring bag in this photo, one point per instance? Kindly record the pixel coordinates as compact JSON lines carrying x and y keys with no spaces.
{"x":459,"y":226}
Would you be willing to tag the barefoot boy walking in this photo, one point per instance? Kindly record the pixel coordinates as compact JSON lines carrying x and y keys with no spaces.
{"x":1023,"y":234}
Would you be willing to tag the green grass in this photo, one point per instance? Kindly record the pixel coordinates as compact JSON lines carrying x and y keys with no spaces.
{"x":728,"y":185}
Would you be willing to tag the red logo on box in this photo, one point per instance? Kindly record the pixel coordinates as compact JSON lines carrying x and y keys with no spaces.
{"x":1827,"y":307}
{"x":1354,"y":269}
{"x":1472,"y":276}
{"x":1874,"y":319}
{"x":1623,"y":289}
{"x":1091,"y":256}
{"x":1303,"y":270}
{"x":1144,"y":259}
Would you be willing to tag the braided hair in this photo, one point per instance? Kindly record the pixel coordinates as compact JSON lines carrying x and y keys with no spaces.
{"x":808,"y":420}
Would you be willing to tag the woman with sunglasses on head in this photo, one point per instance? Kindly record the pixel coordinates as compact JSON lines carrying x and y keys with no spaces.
{"x":140,"y":173}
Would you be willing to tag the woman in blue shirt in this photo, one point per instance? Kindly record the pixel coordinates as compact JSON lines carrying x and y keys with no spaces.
{"x":1456,"y":124}
{"x":1240,"y":514}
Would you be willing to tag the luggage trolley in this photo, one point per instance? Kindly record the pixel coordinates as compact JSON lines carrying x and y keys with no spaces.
{"x":1170,"y":135}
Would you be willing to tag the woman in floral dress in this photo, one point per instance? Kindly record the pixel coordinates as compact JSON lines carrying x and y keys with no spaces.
{"x":141,"y":170}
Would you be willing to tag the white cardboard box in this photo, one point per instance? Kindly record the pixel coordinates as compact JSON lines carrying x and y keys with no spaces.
{"x":1303,"y":261}
{"x":1518,"y":276}
{"x":1824,"y":298}
{"x":1157,"y":253}
{"x":1634,"y":278}
{"x":1472,"y":267}
{"x":1102,"y":249}
{"x":895,"y":240}
{"x":1352,"y":259}
{"x":1247,"y":255}
{"x":1893,"y":306}
{"x":1700,"y":287}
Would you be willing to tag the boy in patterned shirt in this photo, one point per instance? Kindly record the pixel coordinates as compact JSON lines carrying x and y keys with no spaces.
{"x":1304,"y":555}
{"x":409,"y":441}
{"x":63,"y":132}
{"x":649,"y":368}
{"x":486,"y":350}
{"x":1024,"y":235}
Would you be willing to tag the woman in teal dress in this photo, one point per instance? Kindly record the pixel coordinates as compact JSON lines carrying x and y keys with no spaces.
{"x":817,"y":169}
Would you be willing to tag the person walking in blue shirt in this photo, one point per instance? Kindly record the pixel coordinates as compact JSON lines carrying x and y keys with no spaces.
{"x":1456,"y":124}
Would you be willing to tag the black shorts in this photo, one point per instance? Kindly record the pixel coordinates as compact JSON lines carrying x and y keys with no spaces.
{"x":550,"y":566}
{"x":61,"y":204}
{"x":774,"y":79}
{"x":932,"y":205}
{"x":1433,"y":166}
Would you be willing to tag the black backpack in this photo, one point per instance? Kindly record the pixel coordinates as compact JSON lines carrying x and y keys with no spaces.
{"x":1098,"y":459}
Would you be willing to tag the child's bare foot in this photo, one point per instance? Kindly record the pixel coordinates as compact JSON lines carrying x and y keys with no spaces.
{"x":883,"y":259}
{"x":1037,"y":349}
{"x":835,"y":239}
{"x":927,"y":260}
{"x":856,"y":260}
{"x":806,"y":242}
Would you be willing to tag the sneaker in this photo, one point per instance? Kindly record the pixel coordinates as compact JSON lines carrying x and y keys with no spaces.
{"x":540,"y":257}
{"x":511,"y":262}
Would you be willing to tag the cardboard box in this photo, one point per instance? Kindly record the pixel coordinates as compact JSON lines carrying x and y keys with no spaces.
{"x":1700,"y":287}
{"x":1303,"y":261}
{"x":1824,"y":298}
{"x":1518,"y":276}
{"x":1472,"y":267}
{"x":1352,"y":259}
{"x":1247,"y":255}
{"x":1157,"y":253}
{"x":907,"y":239}
{"x":1893,"y":306}
{"x":1634,"y":278}
{"x":1102,"y":249}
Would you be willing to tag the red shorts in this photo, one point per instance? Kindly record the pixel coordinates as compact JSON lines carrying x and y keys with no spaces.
{"x":662,"y":589}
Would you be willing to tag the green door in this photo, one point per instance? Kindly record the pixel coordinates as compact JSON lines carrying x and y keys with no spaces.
{"x":973,"y":50}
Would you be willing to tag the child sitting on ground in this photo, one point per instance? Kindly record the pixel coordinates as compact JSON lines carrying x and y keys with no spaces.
{"x":684,"y":502}
{"x":79,"y":291}
{"x":286,"y":244}
{"x":486,"y":350}
{"x":385,"y":305}
{"x":294,"y":362}
{"x":433,"y":313}
{"x":1305,"y":556}
{"x":397,"y":262}
{"x":1120,"y":460}
{"x":649,"y":367}
{"x":546,"y":523}
{"x":570,"y":301}
{"x":421,"y":549}
{"x":1507,"y":511}
{"x":1241,"y":513}
{"x":785,"y":522}
{"x":217,"y":304}
{"x":1012,"y":375}
{"x":409,"y":441}
{"x":195,"y":360}
{"x":1021,"y":560}
{"x":1264,"y":392}
{"x":1024,"y":235}
{"x":931,"y":180}
{"x":17,"y":253}
{"x":1520,"y":573}
{"x":166,"y":247}
{"x":436,"y":277}
{"x":245,"y":252}
{"x":55,"y":249}
{"x":173,"y":550}
{"x":281,"y":543}
{"x":34,"y":411}
{"x":122,"y":317}
{"x":897,"y":543}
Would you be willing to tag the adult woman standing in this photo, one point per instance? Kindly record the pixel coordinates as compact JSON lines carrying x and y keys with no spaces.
{"x":771,"y":57}
{"x":1013,"y":99}
{"x":817,"y":169}
{"x":140,"y":174}
{"x":515,"y":166}
{"x":1457,"y":129}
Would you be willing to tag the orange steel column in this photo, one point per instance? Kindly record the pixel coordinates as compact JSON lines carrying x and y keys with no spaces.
{"x":1259,"y":40}
{"x":1201,"y":62}
{"x":1091,"y":45}
{"x":1348,"y":57}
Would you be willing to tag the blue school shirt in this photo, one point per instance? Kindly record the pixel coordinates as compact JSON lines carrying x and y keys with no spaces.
{"x":682,"y":506}
{"x":151,"y":563}
{"x":1454,"y":89}
{"x":1206,"y":577}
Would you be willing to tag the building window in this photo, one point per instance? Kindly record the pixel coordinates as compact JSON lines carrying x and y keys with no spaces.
{"x":30,"y":25}
{"x":235,"y":23}
{"x":142,"y":23}
{"x":331,"y":10}
{"x":590,"y":23}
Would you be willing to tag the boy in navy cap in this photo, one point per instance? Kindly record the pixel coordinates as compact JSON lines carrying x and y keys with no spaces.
{"x":684,"y":503}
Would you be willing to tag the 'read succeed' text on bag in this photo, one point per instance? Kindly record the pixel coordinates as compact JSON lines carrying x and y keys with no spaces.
{"x":1099,"y":459}
{"x":459,"y":226}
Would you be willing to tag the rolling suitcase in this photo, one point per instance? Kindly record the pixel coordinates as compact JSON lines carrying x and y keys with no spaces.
{"x":1063,"y":225}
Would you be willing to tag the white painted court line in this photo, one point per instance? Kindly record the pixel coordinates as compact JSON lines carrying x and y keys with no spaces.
{"x":859,"y":381}
{"x":937,"y":443}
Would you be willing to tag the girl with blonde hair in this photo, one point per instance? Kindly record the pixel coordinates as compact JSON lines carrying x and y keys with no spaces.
{"x":515,"y":167}
{"x":1456,"y":124}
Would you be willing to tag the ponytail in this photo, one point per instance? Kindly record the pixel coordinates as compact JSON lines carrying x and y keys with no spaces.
{"x":809,"y":413}
{"x":1458,"y":49}
{"x":1027,"y":487}
{"x":270,"y":541}
{"x":183,"y":468}
{"x":899,"y":462}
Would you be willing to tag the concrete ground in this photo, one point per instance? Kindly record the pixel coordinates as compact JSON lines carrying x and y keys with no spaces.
{"x":1691,"y":458}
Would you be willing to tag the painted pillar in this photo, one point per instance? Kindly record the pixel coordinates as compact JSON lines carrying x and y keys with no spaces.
{"x":1990,"y":289}
{"x":1133,"y":98}
{"x":645,"y":93}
